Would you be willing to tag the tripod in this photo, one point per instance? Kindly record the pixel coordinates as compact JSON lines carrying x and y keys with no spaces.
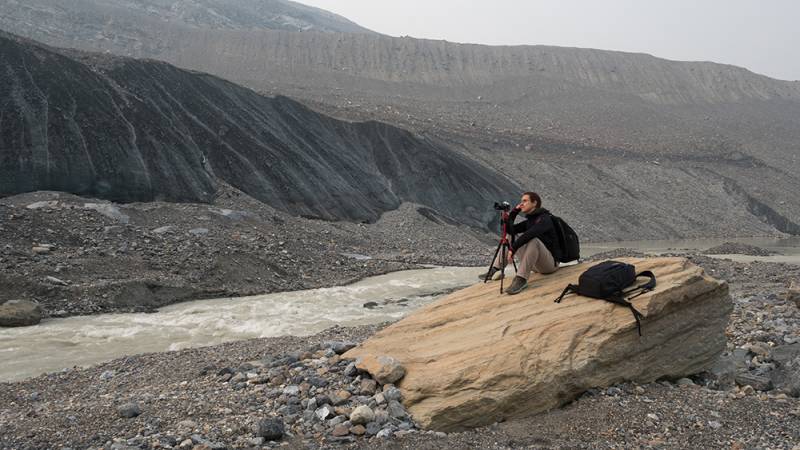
{"x":503,"y":246}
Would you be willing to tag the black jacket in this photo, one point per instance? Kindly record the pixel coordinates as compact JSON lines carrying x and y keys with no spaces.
{"x":539,"y":224}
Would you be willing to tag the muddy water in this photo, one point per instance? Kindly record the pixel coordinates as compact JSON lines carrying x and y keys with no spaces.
{"x":84,"y":340}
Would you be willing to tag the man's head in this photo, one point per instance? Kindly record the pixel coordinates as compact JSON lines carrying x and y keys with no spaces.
{"x":529,"y":202}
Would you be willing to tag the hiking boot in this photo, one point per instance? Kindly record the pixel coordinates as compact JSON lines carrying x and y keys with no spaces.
{"x":517,"y":285}
{"x":494,"y":274}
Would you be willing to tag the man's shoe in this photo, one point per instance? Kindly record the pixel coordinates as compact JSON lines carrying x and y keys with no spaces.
{"x":493,"y":274}
{"x":517,"y":286}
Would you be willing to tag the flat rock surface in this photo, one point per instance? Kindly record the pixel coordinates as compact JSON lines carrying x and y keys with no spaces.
{"x":476,"y":356}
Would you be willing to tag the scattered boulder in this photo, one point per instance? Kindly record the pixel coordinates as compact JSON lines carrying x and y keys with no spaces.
{"x":384,"y":369}
{"x":57,"y":281}
{"x":129,"y":410}
{"x":271,"y":429}
{"x":362,"y":415}
{"x":477,"y":357}
{"x":198,"y":231}
{"x":759,"y":383}
{"x":338,"y":347}
{"x":20,"y":313}
{"x":39,"y":250}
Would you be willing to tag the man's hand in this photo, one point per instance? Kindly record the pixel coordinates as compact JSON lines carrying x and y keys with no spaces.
{"x":510,"y":256}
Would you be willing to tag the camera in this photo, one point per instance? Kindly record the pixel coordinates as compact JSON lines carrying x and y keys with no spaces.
{"x":502,"y":206}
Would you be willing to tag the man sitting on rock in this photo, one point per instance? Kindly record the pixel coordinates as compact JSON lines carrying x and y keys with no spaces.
{"x":535,"y":242}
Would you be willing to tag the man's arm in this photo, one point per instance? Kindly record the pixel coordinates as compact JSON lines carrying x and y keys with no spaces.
{"x":514,"y":228}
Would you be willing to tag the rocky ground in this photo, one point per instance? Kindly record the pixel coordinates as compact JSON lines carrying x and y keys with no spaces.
{"x":298,"y":393}
{"x":728,"y":248}
{"x":77,"y":256}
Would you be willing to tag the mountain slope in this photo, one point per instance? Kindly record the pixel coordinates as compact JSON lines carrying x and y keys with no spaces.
{"x":627,"y":146}
{"x":132,"y":130}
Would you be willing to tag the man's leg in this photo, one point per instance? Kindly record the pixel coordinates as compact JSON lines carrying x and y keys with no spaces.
{"x":528,"y":255}
{"x":545,"y":263}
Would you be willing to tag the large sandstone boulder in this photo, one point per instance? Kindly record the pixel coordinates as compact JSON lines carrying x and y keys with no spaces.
{"x":20,"y":313}
{"x":476,"y":357}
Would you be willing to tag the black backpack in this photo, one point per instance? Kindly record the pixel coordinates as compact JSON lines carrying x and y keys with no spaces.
{"x":608,"y":281}
{"x":567,"y":241}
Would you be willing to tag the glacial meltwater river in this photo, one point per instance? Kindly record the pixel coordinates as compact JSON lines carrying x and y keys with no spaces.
{"x":58,"y":343}
{"x":83,"y":340}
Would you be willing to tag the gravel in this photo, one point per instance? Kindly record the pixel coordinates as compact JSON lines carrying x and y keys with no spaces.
{"x":298,"y":392}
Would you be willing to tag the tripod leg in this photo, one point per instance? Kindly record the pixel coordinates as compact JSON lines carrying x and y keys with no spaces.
{"x":515,"y":264}
{"x":504,"y":249}
{"x":491,"y":264}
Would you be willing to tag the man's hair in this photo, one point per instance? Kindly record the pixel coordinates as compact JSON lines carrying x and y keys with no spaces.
{"x":534,"y":198}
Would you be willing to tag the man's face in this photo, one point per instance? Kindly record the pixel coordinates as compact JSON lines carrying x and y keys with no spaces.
{"x":526,"y":205}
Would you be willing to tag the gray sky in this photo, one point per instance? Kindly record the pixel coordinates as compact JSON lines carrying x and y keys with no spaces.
{"x":762,"y":36}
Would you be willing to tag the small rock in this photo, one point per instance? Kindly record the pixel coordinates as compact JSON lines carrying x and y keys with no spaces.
{"x":20,"y":313}
{"x":198,"y":231}
{"x":757,"y":382}
{"x":291,"y":390}
{"x":368,"y":387}
{"x":339,"y":347}
{"x":129,"y":410}
{"x":54,"y":280}
{"x":351,"y":370}
{"x":358,"y":430}
{"x":384,"y":369}
{"x":384,"y":433}
{"x":341,"y":430}
{"x":715,"y":425}
{"x":162,"y":230}
{"x":362,"y":415}
{"x":107,"y":375}
{"x":685,"y":382}
{"x":613,"y":391}
{"x":396,"y":410}
{"x":40,"y":250}
{"x":392,"y":393}
{"x":323,"y":412}
{"x":373,"y":428}
{"x":271,"y":429}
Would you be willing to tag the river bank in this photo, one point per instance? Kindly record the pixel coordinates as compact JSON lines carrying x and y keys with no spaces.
{"x":184,"y":396}
{"x":78,"y":256}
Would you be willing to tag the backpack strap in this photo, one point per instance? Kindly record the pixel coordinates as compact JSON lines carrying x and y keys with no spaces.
{"x":571,"y":288}
{"x":644,"y":288}
{"x":620,"y":300}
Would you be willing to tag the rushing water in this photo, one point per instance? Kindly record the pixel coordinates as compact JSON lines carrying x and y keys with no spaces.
{"x":85,"y":340}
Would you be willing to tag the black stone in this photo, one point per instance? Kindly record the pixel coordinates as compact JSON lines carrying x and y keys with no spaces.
{"x":270,"y":429}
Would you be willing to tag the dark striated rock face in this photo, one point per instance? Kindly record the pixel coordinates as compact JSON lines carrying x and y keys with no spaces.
{"x":129,"y":130}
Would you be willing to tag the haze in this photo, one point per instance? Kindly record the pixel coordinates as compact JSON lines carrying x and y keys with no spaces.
{"x":760,"y":36}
